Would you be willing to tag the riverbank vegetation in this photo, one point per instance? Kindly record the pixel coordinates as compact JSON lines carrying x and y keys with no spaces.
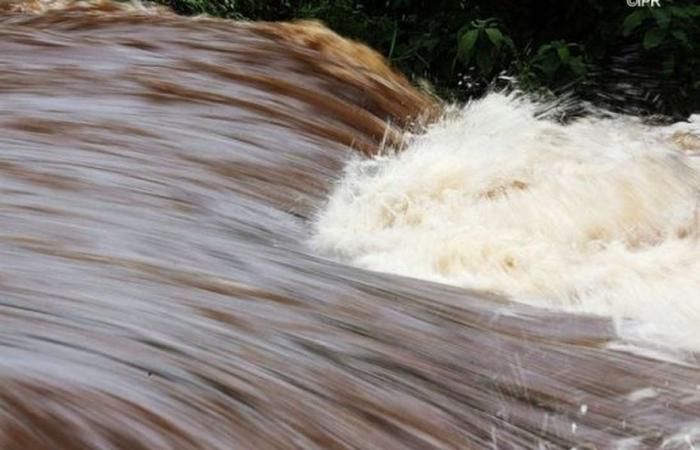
{"x":641,"y":59}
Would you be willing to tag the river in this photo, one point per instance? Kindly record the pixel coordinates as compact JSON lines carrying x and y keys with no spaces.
{"x":161,"y":178}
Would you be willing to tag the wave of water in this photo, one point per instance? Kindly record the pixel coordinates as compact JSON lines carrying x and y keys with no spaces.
{"x":159,"y":178}
{"x":599,"y":216}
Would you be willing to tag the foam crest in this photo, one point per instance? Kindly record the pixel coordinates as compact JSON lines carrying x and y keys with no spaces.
{"x":599,"y":216}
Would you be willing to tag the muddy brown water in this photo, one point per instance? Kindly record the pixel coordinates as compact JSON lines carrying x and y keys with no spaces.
{"x":157,"y":177}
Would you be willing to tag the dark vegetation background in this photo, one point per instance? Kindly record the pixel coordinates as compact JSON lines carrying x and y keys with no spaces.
{"x":643,"y":60}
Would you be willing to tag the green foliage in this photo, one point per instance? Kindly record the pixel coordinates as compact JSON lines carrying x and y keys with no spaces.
{"x":557,"y":60}
{"x":461,"y":46}
{"x":484,"y":42}
{"x":662,"y":24}
{"x":669,"y":37}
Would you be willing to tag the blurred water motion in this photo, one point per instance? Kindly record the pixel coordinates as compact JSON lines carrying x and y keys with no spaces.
{"x":156,"y":290}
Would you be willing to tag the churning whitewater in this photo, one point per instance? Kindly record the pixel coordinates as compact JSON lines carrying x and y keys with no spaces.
{"x":600,"y":216}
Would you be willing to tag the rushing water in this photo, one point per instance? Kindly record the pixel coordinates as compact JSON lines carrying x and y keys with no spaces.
{"x":601,"y":215}
{"x":160,"y":177}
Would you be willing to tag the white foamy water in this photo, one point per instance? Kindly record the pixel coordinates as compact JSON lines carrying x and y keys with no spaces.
{"x":599,"y":216}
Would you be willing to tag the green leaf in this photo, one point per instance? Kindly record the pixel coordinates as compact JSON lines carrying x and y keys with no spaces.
{"x":463,"y":29}
{"x":564,"y":54}
{"x":479,"y":24}
{"x":484,"y":60}
{"x":466,"y":45}
{"x":653,"y":38}
{"x":495,"y":36}
{"x":633,"y":21}
{"x":679,"y":11}
{"x":509,"y":42}
{"x":549,"y":65}
{"x":577,"y":66}
{"x":544,"y":49}
{"x":662,"y":19}
{"x":681,"y":36}
{"x":429,"y":43}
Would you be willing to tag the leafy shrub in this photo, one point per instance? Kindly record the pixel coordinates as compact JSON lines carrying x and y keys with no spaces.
{"x":483,"y":40}
{"x":556,"y":60}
